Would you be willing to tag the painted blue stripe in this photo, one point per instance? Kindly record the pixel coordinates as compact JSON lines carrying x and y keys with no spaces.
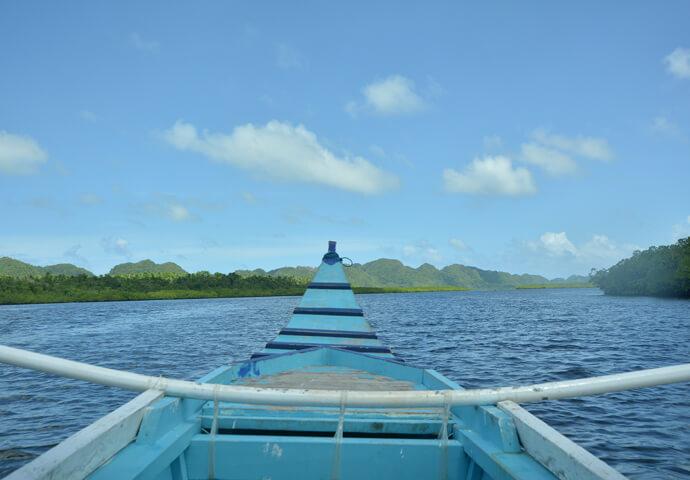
{"x":354,"y":348}
{"x":312,"y":332}
{"x":346,"y":312}
{"x":330,"y":285}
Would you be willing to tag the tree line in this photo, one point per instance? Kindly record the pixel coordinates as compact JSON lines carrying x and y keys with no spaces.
{"x":658,"y":271}
{"x":143,"y":286}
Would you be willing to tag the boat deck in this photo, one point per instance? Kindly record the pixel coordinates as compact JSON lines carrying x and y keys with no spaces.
{"x":329,"y":378}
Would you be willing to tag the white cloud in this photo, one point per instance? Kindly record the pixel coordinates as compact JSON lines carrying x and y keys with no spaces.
{"x":589,"y":147}
{"x":147,"y":46}
{"x":556,"y":163}
{"x":289,"y":57}
{"x":378,"y":150}
{"x":557,"y":244}
{"x":492,"y":142}
{"x":20,"y":155}
{"x":663,"y":126}
{"x":117,"y":246}
{"x":394,"y":95}
{"x":489,"y":176}
{"x":89,"y":116}
{"x":248,"y":197}
{"x":73,"y":254}
{"x":601,"y":250}
{"x":563,"y":255}
{"x":422,"y":251}
{"x":459,"y":244}
{"x":352,"y":108}
{"x":281,"y":151}
{"x":681,"y":230}
{"x":168,"y":208}
{"x":90,"y":199}
{"x":678,"y":62}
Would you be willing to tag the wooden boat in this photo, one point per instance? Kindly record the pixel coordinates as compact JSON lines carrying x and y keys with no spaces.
{"x":325,"y":399}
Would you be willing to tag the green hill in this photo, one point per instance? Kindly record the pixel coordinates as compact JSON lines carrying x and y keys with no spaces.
{"x":297,"y":272}
{"x":147,"y":266}
{"x":387,"y":272}
{"x":66,"y":269}
{"x":16,"y":268}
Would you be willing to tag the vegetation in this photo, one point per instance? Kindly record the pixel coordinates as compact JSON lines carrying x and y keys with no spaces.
{"x":16,"y":268}
{"x":658,"y":271}
{"x":361,"y":290}
{"x":147,"y":266}
{"x":83,"y":288}
{"x":387,"y":273}
{"x":146,"y":280}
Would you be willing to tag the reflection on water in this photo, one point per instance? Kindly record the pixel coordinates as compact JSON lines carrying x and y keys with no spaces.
{"x":478,"y":339}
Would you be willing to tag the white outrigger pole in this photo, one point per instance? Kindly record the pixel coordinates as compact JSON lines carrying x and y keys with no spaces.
{"x":333,"y":398}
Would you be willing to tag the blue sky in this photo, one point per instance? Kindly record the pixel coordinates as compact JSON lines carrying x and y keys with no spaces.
{"x":529,"y":137}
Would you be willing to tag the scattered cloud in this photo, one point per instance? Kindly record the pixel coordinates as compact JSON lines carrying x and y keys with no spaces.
{"x":283,"y":152}
{"x":168,"y":208}
{"x":378,"y":150}
{"x":288,"y":57}
{"x":459,"y":244}
{"x":73,"y":254}
{"x":90,"y":199}
{"x":489,"y":176}
{"x":598,"y":252}
{"x":681,"y":230}
{"x":147,"y":46}
{"x":422,"y":251}
{"x":556,"y":163}
{"x":40,"y":202}
{"x":492,"y":142}
{"x":433,"y":89}
{"x":116,"y":246}
{"x":554,"y":152}
{"x":557,"y":244}
{"x":663,"y":126}
{"x":678,"y":62}
{"x":352,"y":108}
{"x":89,"y":116}
{"x":394,"y":95}
{"x":20,"y":155}
{"x":266,"y":100}
{"x":589,"y":147}
{"x":298,"y":215}
{"x":248,"y":197}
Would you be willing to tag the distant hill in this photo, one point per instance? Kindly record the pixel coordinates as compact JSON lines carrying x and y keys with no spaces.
{"x":16,"y":268}
{"x":296,"y":272}
{"x":67,"y":269}
{"x":147,"y":266}
{"x":392,"y":273}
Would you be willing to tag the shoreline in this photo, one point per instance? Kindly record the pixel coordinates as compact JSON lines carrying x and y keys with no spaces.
{"x":125,"y":296}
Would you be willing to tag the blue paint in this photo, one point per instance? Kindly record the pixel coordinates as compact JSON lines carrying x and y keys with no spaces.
{"x":354,"y":348}
{"x":259,"y":441}
{"x":249,"y":369}
{"x":330,"y":285}
{"x":345,"y":312}
{"x":327,"y":333}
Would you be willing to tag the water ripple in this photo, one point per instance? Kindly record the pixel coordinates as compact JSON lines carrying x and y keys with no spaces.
{"x":478,"y":339}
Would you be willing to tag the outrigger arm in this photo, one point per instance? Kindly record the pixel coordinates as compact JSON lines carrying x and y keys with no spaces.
{"x":333,"y":398}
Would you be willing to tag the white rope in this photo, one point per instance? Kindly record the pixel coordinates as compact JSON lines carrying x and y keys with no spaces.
{"x":355,"y":399}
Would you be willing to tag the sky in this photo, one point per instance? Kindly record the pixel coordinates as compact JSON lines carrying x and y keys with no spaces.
{"x":530,"y":137}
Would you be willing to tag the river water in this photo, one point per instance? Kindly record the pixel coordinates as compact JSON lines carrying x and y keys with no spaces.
{"x":476,"y":338}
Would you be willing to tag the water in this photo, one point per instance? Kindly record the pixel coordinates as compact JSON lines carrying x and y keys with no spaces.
{"x":476,"y":338}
